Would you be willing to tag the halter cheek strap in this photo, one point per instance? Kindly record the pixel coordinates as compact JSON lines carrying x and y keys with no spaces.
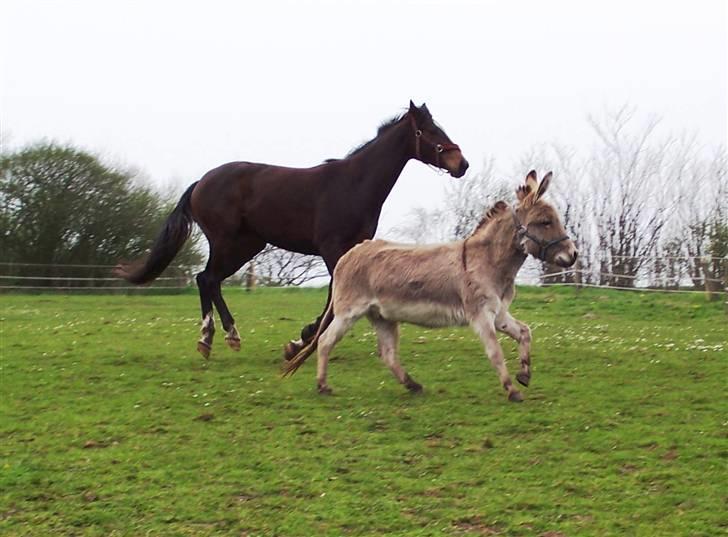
{"x":438,"y":148}
{"x":543,"y":246}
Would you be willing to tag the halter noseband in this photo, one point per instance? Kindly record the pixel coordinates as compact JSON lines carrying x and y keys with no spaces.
{"x":543,"y":246}
{"x":439,"y":148}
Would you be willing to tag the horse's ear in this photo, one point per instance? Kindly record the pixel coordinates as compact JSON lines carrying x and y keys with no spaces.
{"x":413,"y":107}
{"x":545,"y":182}
{"x":425,"y":110}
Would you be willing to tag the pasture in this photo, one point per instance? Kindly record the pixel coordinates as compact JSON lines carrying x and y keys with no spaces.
{"x":112,"y":424}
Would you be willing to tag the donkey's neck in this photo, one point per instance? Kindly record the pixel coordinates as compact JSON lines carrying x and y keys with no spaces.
{"x":493,"y":253}
{"x":382,"y":162}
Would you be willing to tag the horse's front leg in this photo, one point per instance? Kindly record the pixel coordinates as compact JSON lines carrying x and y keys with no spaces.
{"x":484,"y":325}
{"x":520,"y":332}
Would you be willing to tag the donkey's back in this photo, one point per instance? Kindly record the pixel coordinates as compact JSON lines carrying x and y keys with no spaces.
{"x":400,"y":282}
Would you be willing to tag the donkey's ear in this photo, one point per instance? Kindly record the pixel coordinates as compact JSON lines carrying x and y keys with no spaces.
{"x":545,"y":182}
{"x":531,"y":181}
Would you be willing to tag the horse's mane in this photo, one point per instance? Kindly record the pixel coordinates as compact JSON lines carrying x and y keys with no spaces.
{"x":384,"y":127}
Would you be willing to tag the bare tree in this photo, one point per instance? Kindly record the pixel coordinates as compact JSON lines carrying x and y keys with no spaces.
{"x":275,"y":267}
{"x":466,"y":200}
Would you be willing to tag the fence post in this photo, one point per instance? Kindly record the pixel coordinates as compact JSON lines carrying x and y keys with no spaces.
{"x":577,"y":274}
{"x":712,"y":291}
{"x":250,"y":277}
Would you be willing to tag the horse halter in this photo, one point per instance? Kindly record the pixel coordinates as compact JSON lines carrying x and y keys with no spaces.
{"x":543,"y":246}
{"x":438,"y":148}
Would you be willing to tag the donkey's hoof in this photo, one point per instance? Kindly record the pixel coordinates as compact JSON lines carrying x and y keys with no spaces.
{"x":515,"y":396}
{"x":324,"y":389}
{"x":233,"y":343}
{"x":204,"y":349}
{"x":523,"y":378}
{"x":412,"y":385}
{"x":291,"y":349}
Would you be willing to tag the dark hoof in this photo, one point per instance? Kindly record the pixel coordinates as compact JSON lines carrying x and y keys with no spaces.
{"x":291,"y":349}
{"x":233,"y":343}
{"x":412,"y":385}
{"x":325,"y":390}
{"x":523,"y":378}
{"x":515,"y":397}
{"x":204,"y":349}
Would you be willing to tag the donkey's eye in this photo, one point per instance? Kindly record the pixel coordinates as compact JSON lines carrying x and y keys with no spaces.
{"x":545,"y":223}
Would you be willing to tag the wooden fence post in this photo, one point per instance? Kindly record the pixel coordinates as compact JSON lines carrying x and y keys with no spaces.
{"x":577,"y":274}
{"x":250,"y":277}
{"x":712,"y":288}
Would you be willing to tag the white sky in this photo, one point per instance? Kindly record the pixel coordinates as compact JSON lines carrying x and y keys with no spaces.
{"x":177,"y":88}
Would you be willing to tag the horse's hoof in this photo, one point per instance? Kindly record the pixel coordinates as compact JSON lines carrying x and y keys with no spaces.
{"x":233,"y":343}
{"x":324,"y":390}
{"x":523,"y":378}
{"x":515,"y":396}
{"x":412,"y":385}
{"x":290,"y":350}
{"x":204,"y":349}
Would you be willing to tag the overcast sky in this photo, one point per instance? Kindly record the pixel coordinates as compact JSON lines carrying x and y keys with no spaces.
{"x":176,"y":88}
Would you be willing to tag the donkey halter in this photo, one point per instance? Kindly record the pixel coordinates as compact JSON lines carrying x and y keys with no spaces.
{"x":438,"y":148}
{"x":543,"y":246}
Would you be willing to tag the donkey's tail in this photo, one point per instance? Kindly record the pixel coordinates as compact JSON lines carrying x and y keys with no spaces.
{"x":297,"y":361}
{"x":168,"y":243}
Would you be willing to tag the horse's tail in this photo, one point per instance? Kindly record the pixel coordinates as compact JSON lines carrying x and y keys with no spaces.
{"x":297,"y":361}
{"x":168,"y":243}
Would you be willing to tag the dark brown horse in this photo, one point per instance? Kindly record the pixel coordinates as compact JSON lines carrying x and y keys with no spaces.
{"x":324,"y":210}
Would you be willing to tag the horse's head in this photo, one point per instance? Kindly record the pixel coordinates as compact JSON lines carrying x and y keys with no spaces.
{"x":540,"y":230}
{"x":432,"y":145}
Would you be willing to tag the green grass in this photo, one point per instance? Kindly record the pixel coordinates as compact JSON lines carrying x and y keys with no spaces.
{"x":111,"y":424}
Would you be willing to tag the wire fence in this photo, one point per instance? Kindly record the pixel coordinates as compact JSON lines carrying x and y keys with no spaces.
{"x":18,"y":277}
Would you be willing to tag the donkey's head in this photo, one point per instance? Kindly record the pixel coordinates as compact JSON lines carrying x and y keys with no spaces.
{"x":432,"y":145}
{"x":541,"y":232}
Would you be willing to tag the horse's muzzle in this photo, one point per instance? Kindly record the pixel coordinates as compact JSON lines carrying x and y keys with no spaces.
{"x":461,"y":169}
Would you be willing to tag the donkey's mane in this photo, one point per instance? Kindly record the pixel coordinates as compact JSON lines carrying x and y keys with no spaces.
{"x":491,"y":215}
{"x":384,"y":127}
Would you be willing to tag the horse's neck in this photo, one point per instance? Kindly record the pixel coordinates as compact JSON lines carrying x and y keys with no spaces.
{"x":382,"y":163}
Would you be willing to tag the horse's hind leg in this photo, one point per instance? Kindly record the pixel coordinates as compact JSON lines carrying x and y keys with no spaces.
{"x":226,"y":257}
{"x":388,"y":339}
{"x":207,"y":332}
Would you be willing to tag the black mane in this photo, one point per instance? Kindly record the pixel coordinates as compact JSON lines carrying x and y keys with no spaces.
{"x":384,"y":127}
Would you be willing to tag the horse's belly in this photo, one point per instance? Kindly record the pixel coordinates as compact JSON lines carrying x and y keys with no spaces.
{"x":428,"y":314}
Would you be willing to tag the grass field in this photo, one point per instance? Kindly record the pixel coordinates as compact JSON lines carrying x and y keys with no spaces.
{"x":111,"y":424}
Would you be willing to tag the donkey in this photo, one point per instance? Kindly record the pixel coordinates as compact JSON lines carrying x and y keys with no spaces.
{"x":324,"y":210}
{"x":454,"y":284}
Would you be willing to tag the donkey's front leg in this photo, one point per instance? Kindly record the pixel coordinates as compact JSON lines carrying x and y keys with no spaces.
{"x":484,"y":326}
{"x":522,"y":334}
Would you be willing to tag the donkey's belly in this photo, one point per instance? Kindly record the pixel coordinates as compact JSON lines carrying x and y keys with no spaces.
{"x":430,"y":314}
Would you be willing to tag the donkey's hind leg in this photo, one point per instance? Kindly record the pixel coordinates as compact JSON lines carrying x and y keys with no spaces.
{"x":520,"y":332}
{"x":331,"y":336}
{"x":388,"y":339}
{"x":226,"y":257}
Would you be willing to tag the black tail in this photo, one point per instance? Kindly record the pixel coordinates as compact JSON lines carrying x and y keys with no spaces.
{"x":175,"y":232}
{"x":290,"y":367}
